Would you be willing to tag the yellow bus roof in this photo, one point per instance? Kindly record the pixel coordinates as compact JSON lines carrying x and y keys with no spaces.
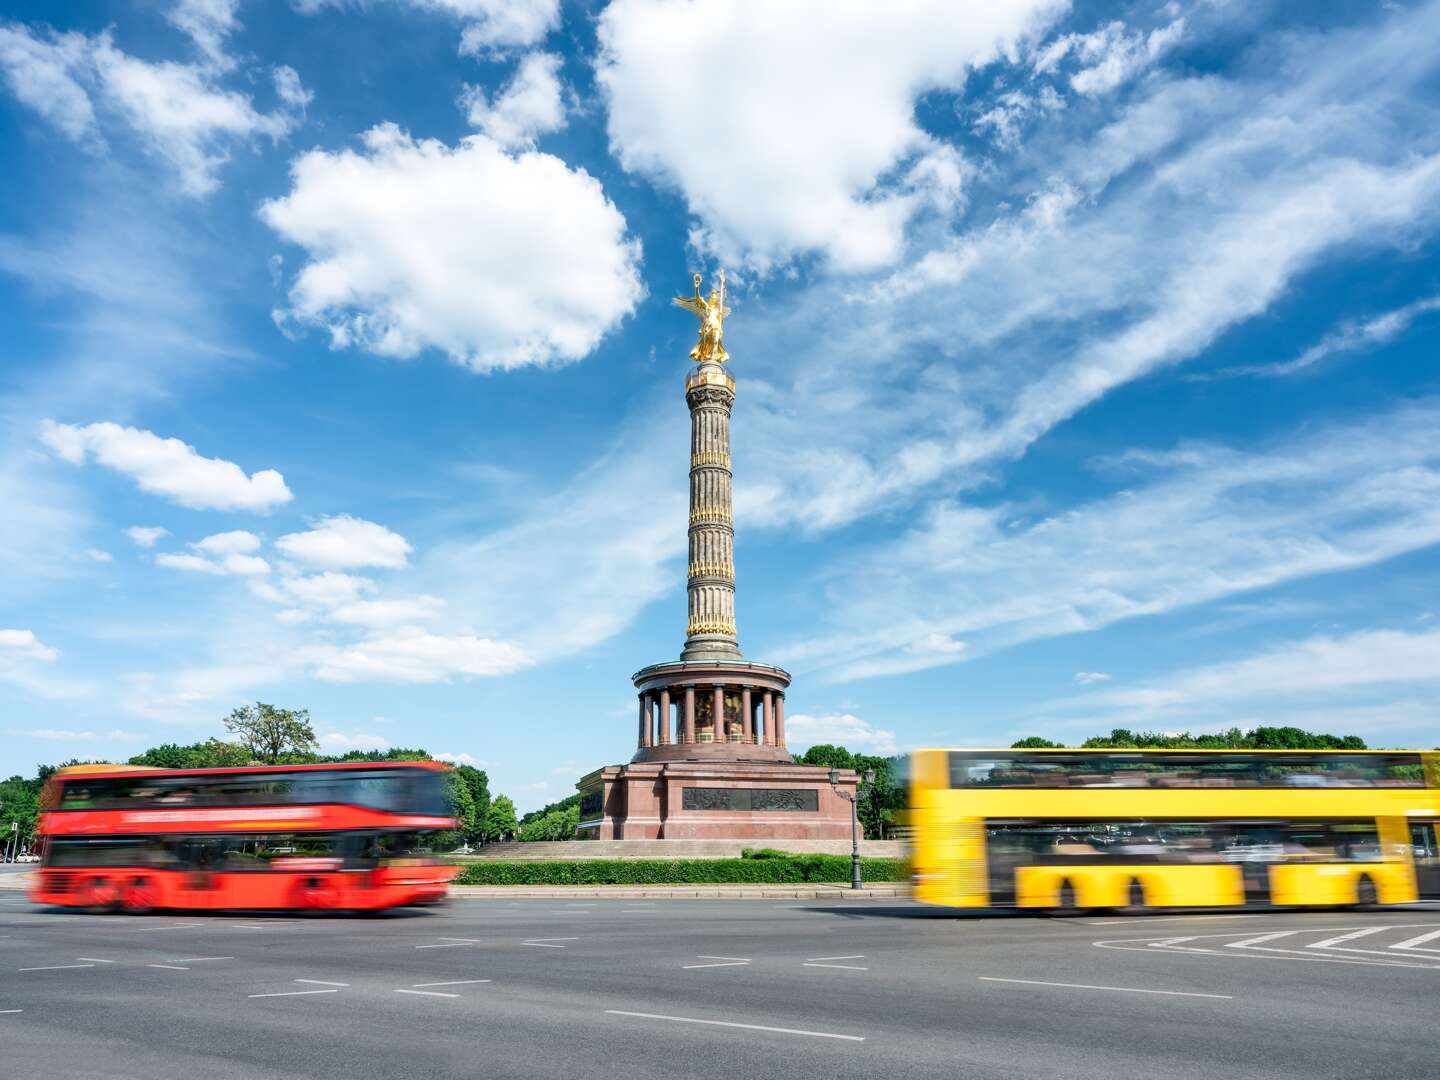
{"x":1148,"y":750}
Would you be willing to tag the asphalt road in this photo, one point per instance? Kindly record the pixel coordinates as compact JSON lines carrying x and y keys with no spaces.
{"x":750,"y":989}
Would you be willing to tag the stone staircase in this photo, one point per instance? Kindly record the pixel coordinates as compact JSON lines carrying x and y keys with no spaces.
{"x":677,"y":849}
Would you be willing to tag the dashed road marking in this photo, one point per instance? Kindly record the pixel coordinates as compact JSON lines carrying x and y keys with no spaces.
{"x":428,"y":993}
{"x":733,"y":1024}
{"x":818,"y":959}
{"x":1117,"y":989}
{"x":197,"y":959}
{"x":545,"y":943}
{"x":168,"y":967}
{"x":321,"y":982}
{"x":94,"y":960}
{"x":451,"y":982}
{"x":838,"y":967}
{"x":293,"y":993}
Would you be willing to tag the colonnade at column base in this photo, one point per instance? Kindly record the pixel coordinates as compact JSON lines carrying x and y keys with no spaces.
{"x":711,"y":710}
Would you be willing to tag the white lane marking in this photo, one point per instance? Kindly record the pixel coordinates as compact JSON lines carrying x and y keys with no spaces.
{"x":1260,"y":952}
{"x":1168,"y":918}
{"x":463,"y":940}
{"x":321,"y":982}
{"x":97,"y":960}
{"x":533,"y":940}
{"x":839,"y":967}
{"x":452,"y":982}
{"x":293,"y":993}
{"x":816,"y":959}
{"x":731,"y":1024}
{"x":197,"y":959}
{"x":745,"y":959}
{"x":427,"y":993}
{"x":1330,"y":943}
{"x":1416,"y":942}
{"x":542,"y":945}
{"x":1118,"y":989}
{"x":57,"y":967}
{"x":726,"y":963}
{"x":168,"y":967}
{"x":7,"y":1012}
{"x":1252,"y":942}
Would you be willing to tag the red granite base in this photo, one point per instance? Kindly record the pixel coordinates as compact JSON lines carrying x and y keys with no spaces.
{"x":648,"y":801}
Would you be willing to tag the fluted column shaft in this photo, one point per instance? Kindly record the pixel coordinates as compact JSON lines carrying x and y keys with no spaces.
{"x":710,"y":631}
{"x":747,"y":717}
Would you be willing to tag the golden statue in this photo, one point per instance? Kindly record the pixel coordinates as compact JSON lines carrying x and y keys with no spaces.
{"x":712,"y":313}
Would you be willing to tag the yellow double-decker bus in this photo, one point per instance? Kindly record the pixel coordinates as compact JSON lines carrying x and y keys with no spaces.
{"x":1072,"y":829}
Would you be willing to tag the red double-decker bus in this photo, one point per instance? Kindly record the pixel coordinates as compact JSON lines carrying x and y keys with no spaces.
{"x":338,"y":837}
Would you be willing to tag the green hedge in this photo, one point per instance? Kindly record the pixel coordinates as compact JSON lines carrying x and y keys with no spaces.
{"x":791,"y":869}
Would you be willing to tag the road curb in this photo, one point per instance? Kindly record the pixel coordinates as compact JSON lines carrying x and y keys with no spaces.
{"x":679,"y":892}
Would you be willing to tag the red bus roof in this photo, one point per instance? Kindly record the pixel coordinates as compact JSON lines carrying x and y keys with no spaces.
{"x":95,"y":771}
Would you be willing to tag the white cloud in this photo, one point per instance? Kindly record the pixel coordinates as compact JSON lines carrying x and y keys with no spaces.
{"x":146,"y":536}
{"x":346,"y":543}
{"x":499,"y":261}
{"x":177,"y":111}
{"x":1110,"y":56}
{"x":1350,"y":336}
{"x":238,"y":565}
{"x":500,"y":24}
{"x":39,"y":75}
{"x":337,"y":742}
{"x":208,"y":23}
{"x":790,"y":156}
{"x":245,"y":565}
{"x":803,"y":731}
{"x":1319,"y":666}
{"x":413,"y":609}
{"x":193,"y":563}
{"x":1373,"y":681}
{"x":530,"y":105}
{"x":235,"y":542}
{"x":412,"y":655}
{"x":289,"y":89}
{"x":326,"y":589}
{"x":98,"y":555}
{"x":491,"y":27}
{"x":167,"y":467}
{"x":1087,"y":678}
{"x":24,"y":645}
{"x":1197,"y":524}
{"x":61,"y":735}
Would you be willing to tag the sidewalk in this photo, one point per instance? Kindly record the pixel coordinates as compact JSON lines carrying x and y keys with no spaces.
{"x":838,"y":891}
{"x":886,"y":891}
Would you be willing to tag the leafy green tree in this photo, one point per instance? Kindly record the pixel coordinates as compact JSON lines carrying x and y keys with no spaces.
{"x":1034,"y":742}
{"x":19,"y":804}
{"x":270,"y":733}
{"x":556,"y":825}
{"x":500,"y":821}
{"x":210,"y":754}
{"x":550,"y":808}
{"x":477,"y":784}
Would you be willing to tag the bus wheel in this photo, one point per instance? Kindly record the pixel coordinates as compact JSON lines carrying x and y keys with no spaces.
{"x":100,"y":897}
{"x":1136,"y":898}
{"x":139,"y":898}
{"x":1067,"y":904}
{"x":1366,"y":896}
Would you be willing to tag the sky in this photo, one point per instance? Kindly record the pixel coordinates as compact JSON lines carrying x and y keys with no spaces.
{"x":1086,"y":363}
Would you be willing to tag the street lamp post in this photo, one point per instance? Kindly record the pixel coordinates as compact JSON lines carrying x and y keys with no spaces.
{"x":853,"y":800}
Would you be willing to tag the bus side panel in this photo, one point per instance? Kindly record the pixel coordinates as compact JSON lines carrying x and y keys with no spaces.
{"x":1299,"y":884}
{"x":1109,"y":886}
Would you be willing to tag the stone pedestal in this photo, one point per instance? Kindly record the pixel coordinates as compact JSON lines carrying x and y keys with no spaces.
{"x":714,"y":800}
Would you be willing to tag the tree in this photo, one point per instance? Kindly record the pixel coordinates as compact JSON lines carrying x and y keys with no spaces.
{"x":550,"y":808}
{"x":477,"y":785}
{"x":270,"y":733}
{"x":1034,"y":742}
{"x":500,"y":819}
{"x":556,"y":825}
{"x":210,"y":754}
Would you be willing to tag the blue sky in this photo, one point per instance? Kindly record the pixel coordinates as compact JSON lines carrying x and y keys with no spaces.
{"x":1086,"y":361}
